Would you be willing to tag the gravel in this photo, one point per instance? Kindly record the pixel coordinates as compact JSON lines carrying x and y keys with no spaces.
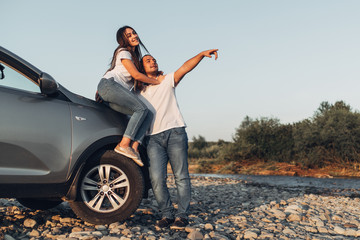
{"x":221,"y":209}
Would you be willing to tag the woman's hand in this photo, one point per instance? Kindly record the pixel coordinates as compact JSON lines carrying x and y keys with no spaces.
{"x":98,"y":98}
{"x":160,"y":78}
{"x":210,"y":52}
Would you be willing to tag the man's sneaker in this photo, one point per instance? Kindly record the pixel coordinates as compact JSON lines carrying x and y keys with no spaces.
{"x":164,"y":222}
{"x":180,"y":223}
{"x":130,"y":153}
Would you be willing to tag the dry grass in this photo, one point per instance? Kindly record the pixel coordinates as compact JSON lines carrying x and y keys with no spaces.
{"x":260,"y":167}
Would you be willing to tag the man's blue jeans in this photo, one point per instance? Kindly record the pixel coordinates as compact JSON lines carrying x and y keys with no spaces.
{"x":170,"y":146}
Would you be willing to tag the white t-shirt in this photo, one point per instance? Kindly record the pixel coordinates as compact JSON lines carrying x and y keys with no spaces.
{"x":119,"y":73}
{"x":161,"y":101}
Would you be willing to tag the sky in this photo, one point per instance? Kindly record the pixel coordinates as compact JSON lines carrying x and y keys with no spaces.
{"x":277,"y":58}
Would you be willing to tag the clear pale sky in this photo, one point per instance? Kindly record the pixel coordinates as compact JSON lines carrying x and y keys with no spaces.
{"x":276,"y":58}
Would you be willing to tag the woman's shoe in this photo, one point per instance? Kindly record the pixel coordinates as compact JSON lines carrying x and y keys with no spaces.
{"x":138,"y":159}
{"x":127,"y":152}
{"x":130,"y":153}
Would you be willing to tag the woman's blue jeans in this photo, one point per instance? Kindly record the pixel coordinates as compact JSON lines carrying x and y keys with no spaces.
{"x":122,"y":100}
{"x":170,"y":146}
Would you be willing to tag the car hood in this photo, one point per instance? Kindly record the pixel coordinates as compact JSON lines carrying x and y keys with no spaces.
{"x":78,"y":99}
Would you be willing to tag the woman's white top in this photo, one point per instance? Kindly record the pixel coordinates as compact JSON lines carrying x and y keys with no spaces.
{"x":119,"y":73}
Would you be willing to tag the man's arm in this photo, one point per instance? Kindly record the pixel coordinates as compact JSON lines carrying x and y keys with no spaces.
{"x":192,"y":63}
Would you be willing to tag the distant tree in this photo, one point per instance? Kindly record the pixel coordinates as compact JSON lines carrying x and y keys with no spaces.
{"x":332,"y":134}
{"x":221,"y":142}
{"x":325,"y":107}
{"x":199,"y":142}
{"x":264,"y":138}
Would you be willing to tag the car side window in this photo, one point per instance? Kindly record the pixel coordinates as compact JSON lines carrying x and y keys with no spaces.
{"x":16,"y":80}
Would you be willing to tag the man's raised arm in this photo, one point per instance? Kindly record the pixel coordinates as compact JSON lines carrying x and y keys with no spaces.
{"x":192,"y":63}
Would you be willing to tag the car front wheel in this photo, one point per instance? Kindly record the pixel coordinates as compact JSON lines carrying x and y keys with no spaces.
{"x":110,"y":189}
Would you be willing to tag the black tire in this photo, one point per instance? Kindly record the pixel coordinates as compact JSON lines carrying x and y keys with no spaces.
{"x":39,"y":203}
{"x":109,"y":189}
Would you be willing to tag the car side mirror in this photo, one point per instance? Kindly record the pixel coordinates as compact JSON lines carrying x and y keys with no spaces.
{"x":48,"y":85}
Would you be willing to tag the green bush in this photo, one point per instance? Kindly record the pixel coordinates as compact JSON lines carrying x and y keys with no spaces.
{"x":264,"y":138}
{"x":229,"y":152}
{"x":199,"y":148}
{"x":199,"y":143}
{"x":332,"y":134}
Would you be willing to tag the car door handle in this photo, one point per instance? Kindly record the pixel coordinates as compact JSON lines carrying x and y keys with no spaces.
{"x":80,"y":118}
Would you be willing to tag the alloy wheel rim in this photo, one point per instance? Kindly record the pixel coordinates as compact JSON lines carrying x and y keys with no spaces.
{"x":105,"y":188}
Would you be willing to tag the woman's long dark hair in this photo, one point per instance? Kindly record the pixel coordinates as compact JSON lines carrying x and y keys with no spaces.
{"x":124,"y":43}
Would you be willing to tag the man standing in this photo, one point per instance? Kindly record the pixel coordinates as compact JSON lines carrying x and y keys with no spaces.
{"x":167,"y":140}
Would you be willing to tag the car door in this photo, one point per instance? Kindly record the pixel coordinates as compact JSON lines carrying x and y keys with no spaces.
{"x":35,"y":133}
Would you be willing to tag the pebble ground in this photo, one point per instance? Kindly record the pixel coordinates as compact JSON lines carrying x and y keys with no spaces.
{"x":221,"y":208}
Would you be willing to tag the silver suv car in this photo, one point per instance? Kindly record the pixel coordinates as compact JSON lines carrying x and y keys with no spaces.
{"x":57,"y":146}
